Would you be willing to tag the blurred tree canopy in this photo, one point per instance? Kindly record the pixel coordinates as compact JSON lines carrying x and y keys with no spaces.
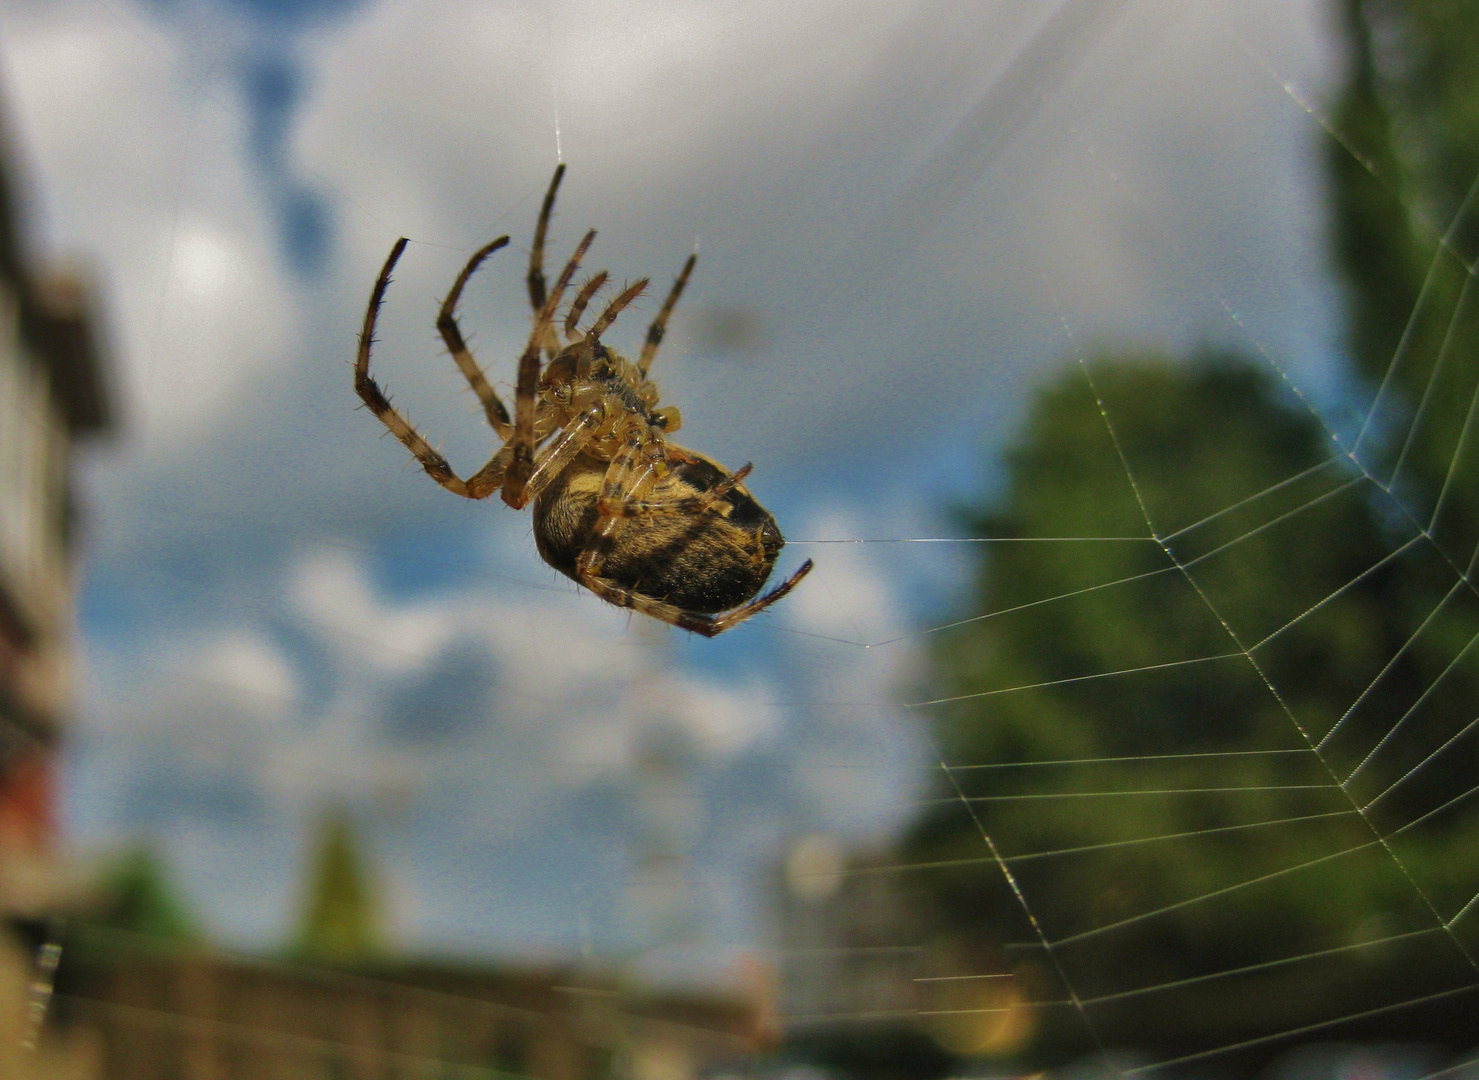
{"x":1404,"y":238}
{"x":1259,"y":589}
{"x":341,"y":916}
{"x":139,"y":899}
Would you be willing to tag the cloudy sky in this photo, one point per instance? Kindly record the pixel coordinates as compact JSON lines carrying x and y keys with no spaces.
{"x":907,"y":213}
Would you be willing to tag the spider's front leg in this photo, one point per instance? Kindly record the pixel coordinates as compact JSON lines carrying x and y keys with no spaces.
{"x":480,"y":484}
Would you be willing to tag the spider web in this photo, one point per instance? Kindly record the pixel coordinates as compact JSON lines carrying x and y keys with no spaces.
{"x":1368,"y":779}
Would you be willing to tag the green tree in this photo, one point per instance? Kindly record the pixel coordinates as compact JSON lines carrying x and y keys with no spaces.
{"x":138,"y":899}
{"x":341,"y":917}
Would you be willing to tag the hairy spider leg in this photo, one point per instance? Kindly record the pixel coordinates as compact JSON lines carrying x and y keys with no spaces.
{"x":659,"y":325}
{"x":613,"y":309}
{"x":622,"y":479}
{"x":629,"y":468}
{"x":452,"y":334}
{"x":526,"y":390}
{"x":707,"y":625}
{"x":713,"y":625}
{"x":689,"y":507}
{"x":577,"y":306}
{"x":536,"y":253}
{"x":551,"y":342}
{"x":478,"y":486}
{"x":555,"y":455}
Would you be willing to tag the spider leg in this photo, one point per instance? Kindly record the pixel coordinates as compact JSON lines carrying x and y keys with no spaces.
{"x":478,"y":486}
{"x":659,"y":325}
{"x":526,"y":390}
{"x":536,"y":253}
{"x":707,"y":625}
{"x":537,"y":295}
{"x":577,"y":306}
{"x":613,"y":309}
{"x":689,"y":507}
{"x":452,"y":334}
{"x":626,"y":474}
{"x":712,"y":625}
{"x":561,"y":451}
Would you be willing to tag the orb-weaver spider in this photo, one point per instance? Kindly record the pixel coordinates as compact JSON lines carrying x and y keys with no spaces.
{"x":638,"y":520}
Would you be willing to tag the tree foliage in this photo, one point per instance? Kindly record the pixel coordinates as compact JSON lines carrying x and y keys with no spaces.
{"x":341,"y":916}
{"x":139,"y":899}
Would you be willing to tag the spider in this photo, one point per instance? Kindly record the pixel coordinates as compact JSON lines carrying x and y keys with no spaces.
{"x":640,"y":521}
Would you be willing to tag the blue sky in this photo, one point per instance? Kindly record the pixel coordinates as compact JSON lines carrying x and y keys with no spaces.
{"x":904,"y":204}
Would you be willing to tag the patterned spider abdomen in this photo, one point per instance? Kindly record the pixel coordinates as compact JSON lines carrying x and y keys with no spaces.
{"x":707,"y":563}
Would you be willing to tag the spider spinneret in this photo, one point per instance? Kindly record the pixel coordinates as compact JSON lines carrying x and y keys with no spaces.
{"x":640,"y":521}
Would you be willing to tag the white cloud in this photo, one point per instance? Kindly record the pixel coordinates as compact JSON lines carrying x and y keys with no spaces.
{"x":250,"y":663}
{"x":845,"y":596}
{"x":204,"y":263}
{"x":333,"y":590}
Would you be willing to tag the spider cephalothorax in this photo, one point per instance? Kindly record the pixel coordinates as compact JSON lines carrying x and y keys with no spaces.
{"x":641,"y":522}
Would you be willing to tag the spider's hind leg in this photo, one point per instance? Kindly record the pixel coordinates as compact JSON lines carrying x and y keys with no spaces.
{"x":707,"y":625}
{"x":623,"y":479}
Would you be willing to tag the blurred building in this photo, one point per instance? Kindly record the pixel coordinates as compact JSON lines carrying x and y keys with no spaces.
{"x":196,"y":1014}
{"x":138,"y":981}
{"x":52,"y":396}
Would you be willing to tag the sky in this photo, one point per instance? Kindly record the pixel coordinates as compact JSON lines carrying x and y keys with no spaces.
{"x":907,"y":215}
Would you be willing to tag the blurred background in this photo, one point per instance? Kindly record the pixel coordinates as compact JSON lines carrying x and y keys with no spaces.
{"x":1115,"y":360}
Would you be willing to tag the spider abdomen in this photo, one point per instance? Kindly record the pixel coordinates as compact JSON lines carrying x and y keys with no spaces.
{"x":706,"y":563}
